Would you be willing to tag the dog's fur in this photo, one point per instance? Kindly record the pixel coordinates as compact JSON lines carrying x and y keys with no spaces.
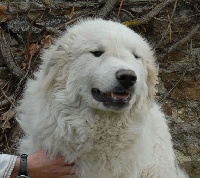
{"x":120,"y":139}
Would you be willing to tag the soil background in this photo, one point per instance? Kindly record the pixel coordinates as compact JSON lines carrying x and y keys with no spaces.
{"x":172,"y":27}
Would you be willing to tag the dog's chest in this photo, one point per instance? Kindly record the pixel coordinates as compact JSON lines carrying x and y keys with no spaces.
{"x":107,"y":151}
{"x":108,"y":135}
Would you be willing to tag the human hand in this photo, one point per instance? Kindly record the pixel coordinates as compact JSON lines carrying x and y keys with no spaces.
{"x":39,"y":165}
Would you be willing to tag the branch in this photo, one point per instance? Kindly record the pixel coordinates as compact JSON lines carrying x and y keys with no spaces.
{"x":169,"y":25}
{"x":107,"y":8}
{"x":27,"y":56}
{"x":8,"y":57}
{"x":19,"y":7}
{"x":148,"y":16}
{"x":9,"y":99}
{"x":185,"y":39}
{"x":182,"y":41}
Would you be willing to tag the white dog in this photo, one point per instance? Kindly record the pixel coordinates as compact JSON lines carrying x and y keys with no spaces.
{"x":92,"y":101}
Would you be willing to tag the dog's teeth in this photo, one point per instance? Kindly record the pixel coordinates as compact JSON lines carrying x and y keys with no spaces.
{"x":115,"y":98}
{"x":119,"y":96}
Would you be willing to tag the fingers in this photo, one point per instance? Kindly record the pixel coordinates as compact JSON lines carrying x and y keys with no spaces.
{"x":64,"y":172}
{"x":61,"y":161}
{"x":68,"y":170}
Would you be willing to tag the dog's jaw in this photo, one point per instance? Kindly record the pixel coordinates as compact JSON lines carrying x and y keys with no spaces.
{"x":117,"y":99}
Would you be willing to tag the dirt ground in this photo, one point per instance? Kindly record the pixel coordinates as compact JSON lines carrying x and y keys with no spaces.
{"x":172,"y":27}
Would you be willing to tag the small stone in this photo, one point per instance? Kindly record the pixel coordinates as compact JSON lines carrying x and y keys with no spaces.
{"x":180,"y":112}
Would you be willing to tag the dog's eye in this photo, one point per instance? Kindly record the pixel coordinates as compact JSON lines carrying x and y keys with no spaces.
{"x":136,"y":56}
{"x":97,"y":53}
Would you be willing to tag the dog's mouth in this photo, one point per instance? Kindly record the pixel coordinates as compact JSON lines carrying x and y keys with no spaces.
{"x":115,"y":98}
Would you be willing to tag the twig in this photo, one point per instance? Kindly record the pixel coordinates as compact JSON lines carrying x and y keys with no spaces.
{"x":120,"y":7}
{"x":8,"y":86}
{"x":169,"y":25}
{"x":29,"y":35}
{"x":148,"y":16}
{"x":107,"y":8}
{"x":54,"y":31}
{"x":174,"y":86}
{"x":129,"y":13}
{"x":8,"y":57}
{"x":8,"y":98}
{"x":39,"y":7}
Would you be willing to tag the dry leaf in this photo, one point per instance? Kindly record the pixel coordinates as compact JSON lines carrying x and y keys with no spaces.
{"x":47,"y":2}
{"x":5,"y":119}
{"x":8,"y":115}
{"x":3,"y":15}
{"x":24,"y":66}
{"x":70,"y":13}
{"x":5,"y":125}
{"x":34,"y":49}
{"x":3,"y":9}
{"x":46,"y":41}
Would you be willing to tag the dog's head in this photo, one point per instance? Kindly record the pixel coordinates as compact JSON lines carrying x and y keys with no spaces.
{"x":103,"y":64}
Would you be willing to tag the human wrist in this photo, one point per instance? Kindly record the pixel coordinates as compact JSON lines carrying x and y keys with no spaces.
{"x":16,"y":168}
{"x":31,"y":166}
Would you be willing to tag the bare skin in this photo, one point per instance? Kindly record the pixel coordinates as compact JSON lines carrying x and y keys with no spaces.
{"x":39,"y":165}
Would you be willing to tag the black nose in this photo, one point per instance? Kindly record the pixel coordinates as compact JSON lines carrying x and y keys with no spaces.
{"x":126,"y":78}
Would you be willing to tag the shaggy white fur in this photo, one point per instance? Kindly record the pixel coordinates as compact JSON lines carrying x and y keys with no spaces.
{"x":92,"y":101}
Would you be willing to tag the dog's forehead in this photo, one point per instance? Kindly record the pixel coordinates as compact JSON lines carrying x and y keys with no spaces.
{"x":98,"y":28}
{"x":105,"y":33}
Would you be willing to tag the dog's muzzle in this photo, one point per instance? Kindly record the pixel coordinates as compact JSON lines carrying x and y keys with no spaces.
{"x":120,"y":96}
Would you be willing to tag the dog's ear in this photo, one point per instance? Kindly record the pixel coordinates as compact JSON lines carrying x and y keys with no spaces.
{"x":54,"y":74}
{"x":152,"y":77}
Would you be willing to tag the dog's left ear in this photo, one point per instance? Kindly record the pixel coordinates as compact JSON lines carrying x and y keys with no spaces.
{"x":54,"y":73}
{"x":152,"y":78}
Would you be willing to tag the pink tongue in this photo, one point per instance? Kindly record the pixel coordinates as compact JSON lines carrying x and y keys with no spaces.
{"x":121,"y":96}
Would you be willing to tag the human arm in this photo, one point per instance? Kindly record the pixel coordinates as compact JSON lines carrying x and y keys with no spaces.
{"x":39,"y":165}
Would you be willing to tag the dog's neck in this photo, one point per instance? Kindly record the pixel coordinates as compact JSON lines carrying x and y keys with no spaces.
{"x":104,"y":145}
